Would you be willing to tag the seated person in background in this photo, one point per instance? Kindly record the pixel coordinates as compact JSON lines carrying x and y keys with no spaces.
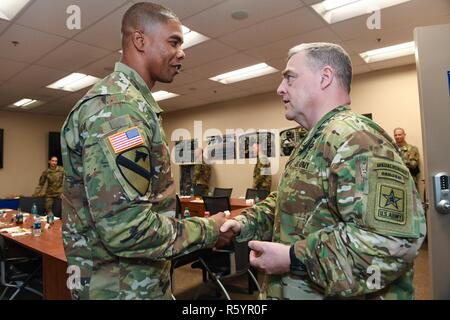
{"x":202,"y":171}
{"x":262,"y":178}
{"x":52,"y":178}
{"x":409,"y":152}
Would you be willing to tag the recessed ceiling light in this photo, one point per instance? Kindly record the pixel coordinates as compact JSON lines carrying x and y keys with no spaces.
{"x":333,"y":11}
{"x":10,"y":8}
{"x":163,"y":95}
{"x":192,"y":38}
{"x":73,"y":82}
{"x":254,"y":71}
{"x":26,"y":103}
{"x":396,"y":51}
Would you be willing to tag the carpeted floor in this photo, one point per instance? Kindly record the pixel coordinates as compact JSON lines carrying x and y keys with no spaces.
{"x":188,"y":283}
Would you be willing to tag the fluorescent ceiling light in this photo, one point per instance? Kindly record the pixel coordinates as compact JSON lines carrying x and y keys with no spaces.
{"x":192,"y":38}
{"x":333,"y":11}
{"x":73,"y":82}
{"x":254,"y":71}
{"x":163,"y":95}
{"x":9,"y":8}
{"x":399,"y":50}
{"x":26,"y":104}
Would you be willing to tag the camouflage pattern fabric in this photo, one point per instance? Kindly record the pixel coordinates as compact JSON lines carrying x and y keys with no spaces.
{"x":50,"y":186}
{"x":262,"y":179}
{"x":118,"y":189}
{"x":349,"y":206}
{"x":410,"y":155}
{"x":202,"y":174}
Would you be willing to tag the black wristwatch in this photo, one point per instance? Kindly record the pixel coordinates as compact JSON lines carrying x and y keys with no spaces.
{"x":297,"y":267}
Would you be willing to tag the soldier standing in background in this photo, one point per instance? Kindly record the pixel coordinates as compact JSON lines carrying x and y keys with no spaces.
{"x":410,"y":153}
{"x":50,"y":183}
{"x":262,"y":177}
{"x":118,"y":185}
{"x":346,"y":220}
{"x":202,"y":172}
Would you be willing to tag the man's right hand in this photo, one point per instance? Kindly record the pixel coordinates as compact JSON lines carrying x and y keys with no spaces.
{"x":232,"y":225}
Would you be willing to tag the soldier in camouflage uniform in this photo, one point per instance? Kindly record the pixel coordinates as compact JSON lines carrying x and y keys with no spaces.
{"x":409,"y":152}
{"x":346,"y":220}
{"x":262,"y":177}
{"x":118,"y":184}
{"x":202,"y":172}
{"x":50,"y":184}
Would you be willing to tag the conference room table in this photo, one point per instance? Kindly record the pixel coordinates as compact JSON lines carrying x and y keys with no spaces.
{"x":197,"y":207}
{"x":50,"y":246}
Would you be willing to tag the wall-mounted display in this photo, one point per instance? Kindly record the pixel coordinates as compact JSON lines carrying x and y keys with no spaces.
{"x":184,"y":151}
{"x":266,"y":140}
{"x":221,"y":147}
{"x":289,"y":138}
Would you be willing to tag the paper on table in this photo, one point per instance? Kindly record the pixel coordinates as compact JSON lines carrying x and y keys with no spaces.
{"x":197,"y":201}
{"x":16,"y":231}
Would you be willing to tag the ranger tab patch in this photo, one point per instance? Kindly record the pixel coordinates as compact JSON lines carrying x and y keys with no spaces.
{"x":126,"y":140}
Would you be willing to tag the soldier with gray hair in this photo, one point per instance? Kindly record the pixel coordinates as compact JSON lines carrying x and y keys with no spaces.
{"x":346,"y":220}
{"x":118,"y":190}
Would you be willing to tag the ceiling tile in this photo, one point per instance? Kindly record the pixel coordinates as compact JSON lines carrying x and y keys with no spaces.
{"x":33,"y":44}
{"x":258,"y":10}
{"x":37,"y":15}
{"x":297,"y":21}
{"x":185,"y":9}
{"x":102,"y":67}
{"x":179,"y":103}
{"x":363,"y":68}
{"x":391,"y":63}
{"x":206,"y":52}
{"x":9,"y":68}
{"x":279,"y":49}
{"x":3,"y":25}
{"x":72,"y":55}
{"x":227,"y":64}
{"x":112,"y":39}
{"x":36,"y":77}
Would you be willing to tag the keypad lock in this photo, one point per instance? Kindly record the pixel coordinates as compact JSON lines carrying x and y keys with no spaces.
{"x":441,"y":193}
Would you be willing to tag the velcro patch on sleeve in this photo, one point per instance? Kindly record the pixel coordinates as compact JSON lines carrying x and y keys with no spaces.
{"x":126,"y":139}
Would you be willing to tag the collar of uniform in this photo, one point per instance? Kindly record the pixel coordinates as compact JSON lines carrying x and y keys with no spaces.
{"x":319,"y":125}
{"x":137,"y":80}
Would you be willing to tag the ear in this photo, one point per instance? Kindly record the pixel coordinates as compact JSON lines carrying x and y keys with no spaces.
{"x":327,"y":76}
{"x":138,"y":40}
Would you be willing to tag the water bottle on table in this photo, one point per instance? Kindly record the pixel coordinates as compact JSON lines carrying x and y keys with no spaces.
{"x":36,"y":221}
{"x":19,"y":216}
{"x":186,"y":213}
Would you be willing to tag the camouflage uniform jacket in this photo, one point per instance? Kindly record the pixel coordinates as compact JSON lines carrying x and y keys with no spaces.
{"x":262,"y":179}
{"x":202,"y":174}
{"x":411,"y":157}
{"x":348,"y":207}
{"x":54,"y":179}
{"x":118,"y":185}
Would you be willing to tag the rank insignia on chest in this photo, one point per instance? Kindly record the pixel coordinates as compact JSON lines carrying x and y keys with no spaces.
{"x":126,"y":140}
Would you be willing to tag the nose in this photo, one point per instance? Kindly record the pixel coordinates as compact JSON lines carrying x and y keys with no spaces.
{"x":181,"y":54}
{"x":281,"y":88}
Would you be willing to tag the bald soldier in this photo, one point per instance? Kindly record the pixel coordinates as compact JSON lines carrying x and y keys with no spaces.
{"x":409,"y":152}
{"x":50,"y":183}
{"x":346,"y":220}
{"x":119,"y":190}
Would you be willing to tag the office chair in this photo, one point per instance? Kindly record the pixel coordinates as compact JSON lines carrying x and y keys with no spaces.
{"x":252,"y":193}
{"x":56,"y":208}
{"x":25,"y":204}
{"x":200,"y":190}
{"x":178,"y":207}
{"x":17,"y":271}
{"x":222,"y":192}
{"x":216,"y":204}
{"x":225,"y":262}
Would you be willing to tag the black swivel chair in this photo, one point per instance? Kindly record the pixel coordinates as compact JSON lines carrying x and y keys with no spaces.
{"x":252,"y":193}
{"x":200,"y":190}
{"x":25,"y":204}
{"x":222,"y":192}
{"x":226,"y":262}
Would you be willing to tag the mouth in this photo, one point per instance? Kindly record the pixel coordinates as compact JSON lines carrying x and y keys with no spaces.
{"x":177,"y":67}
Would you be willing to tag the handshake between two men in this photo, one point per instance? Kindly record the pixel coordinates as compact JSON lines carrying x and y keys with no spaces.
{"x":270,"y":257}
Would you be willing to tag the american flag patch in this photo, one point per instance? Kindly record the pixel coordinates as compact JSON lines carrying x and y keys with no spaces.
{"x":126,"y":139}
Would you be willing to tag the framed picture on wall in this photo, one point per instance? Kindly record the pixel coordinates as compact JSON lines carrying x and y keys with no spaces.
{"x":221,"y":147}
{"x":289,"y":138}
{"x":265,"y":139}
{"x":184,"y":151}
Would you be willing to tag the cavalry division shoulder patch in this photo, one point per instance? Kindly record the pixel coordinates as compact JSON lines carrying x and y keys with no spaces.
{"x":126,"y":140}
